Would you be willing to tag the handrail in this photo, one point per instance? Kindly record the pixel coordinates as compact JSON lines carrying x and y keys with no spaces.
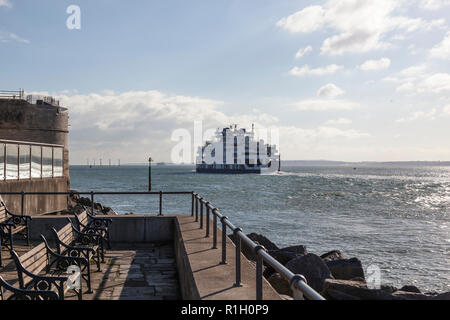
{"x":297,"y":282}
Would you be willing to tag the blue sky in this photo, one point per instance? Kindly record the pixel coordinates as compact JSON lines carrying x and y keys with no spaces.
{"x":373,"y":82}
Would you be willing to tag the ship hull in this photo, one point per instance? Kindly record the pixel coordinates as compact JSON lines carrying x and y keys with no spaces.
{"x":228,"y":171}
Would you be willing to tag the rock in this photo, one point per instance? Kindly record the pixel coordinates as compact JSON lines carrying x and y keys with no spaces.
{"x":299,"y":250}
{"x":259,"y":239}
{"x":354,"y":289}
{"x":410,"y":288}
{"x":262,"y":240}
{"x":313,"y":268}
{"x":332,"y":294}
{"x":442,"y":296}
{"x":285,"y":297}
{"x":346,"y":269}
{"x":85,"y":202}
{"x":280,"y":285}
{"x":333,"y":255}
{"x":388,"y":288}
{"x":411,"y":295}
{"x":283,"y":256}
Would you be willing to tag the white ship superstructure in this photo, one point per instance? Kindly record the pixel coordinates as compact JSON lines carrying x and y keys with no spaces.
{"x":236,"y":150}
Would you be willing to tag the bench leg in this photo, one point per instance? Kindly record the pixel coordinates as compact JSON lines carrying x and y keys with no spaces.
{"x":88,"y":278}
{"x":98,"y":260}
{"x":28,"y":235}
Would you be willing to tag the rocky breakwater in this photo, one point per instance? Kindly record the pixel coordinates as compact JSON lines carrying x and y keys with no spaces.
{"x":332,"y":274}
{"x":78,"y":204}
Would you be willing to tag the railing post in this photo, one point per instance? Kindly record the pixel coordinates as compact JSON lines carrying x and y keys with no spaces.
{"x":22,"y":206}
{"x":201,"y":213}
{"x":259,"y":273}
{"x":214,"y":211}
{"x":160,"y":203}
{"x":192,"y":210}
{"x":238,"y":256}
{"x":92,"y":203}
{"x":224,"y":240}
{"x":207,"y":220}
{"x":196,"y":208}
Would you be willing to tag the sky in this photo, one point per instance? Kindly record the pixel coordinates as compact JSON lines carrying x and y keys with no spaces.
{"x":350,"y":80}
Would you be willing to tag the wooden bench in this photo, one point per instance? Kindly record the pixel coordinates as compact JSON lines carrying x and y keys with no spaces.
{"x":21,"y":294}
{"x":87,"y":223}
{"x":12,"y":224}
{"x":70,"y":242}
{"x":34,"y":273}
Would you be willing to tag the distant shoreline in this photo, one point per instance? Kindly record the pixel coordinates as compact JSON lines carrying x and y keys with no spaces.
{"x":322,"y":163}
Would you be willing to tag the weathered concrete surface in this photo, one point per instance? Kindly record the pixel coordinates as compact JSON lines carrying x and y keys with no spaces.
{"x":124,"y":229}
{"x":215,"y":281}
{"x":35,"y":205}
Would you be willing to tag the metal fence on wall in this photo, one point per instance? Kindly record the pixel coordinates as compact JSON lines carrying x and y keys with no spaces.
{"x":21,"y":160}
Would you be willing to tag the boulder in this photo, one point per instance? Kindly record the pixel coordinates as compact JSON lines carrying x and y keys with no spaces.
{"x":298,"y":250}
{"x":263,"y":241}
{"x":280,"y":285}
{"x":283,"y":256}
{"x":259,"y":239}
{"x":442,"y":296}
{"x":312,"y":268}
{"x":410,"y":288}
{"x":346,"y":269}
{"x":333,"y":255}
{"x":347,"y":289}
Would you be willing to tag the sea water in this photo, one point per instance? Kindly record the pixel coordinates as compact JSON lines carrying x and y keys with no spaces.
{"x":397,"y":218}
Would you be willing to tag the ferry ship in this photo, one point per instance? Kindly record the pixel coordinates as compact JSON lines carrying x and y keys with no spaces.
{"x":234,"y":150}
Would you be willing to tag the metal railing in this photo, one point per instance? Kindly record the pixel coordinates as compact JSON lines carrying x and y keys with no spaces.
{"x":12,"y":94}
{"x":297,"y":282}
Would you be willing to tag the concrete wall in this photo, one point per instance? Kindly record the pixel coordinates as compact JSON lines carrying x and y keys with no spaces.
{"x":36,"y":204}
{"x":123,"y":230}
{"x":20,"y":121}
{"x":189,"y":290}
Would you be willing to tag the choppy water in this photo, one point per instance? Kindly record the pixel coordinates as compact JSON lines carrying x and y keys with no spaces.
{"x":396,"y":218}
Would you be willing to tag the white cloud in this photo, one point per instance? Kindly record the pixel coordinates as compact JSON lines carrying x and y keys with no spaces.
{"x":304,"y":21}
{"x":340,"y":121}
{"x":325,"y":105}
{"x":306,"y":70}
{"x":359,"y":25}
{"x":8,"y":37}
{"x":416,"y":79}
{"x":329,"y":91}
{"x":442,"y":49}
{"x":5,"y":3}
{"x":434,"y":4}
{"x":419,"y":115}
{"x":371,"y":65}
{"x":302,"y":51}
{"x":435,"y":83}
{"x":446,"y":110}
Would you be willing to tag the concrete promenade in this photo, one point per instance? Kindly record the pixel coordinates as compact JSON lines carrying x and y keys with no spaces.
{"x":214,"y":280}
